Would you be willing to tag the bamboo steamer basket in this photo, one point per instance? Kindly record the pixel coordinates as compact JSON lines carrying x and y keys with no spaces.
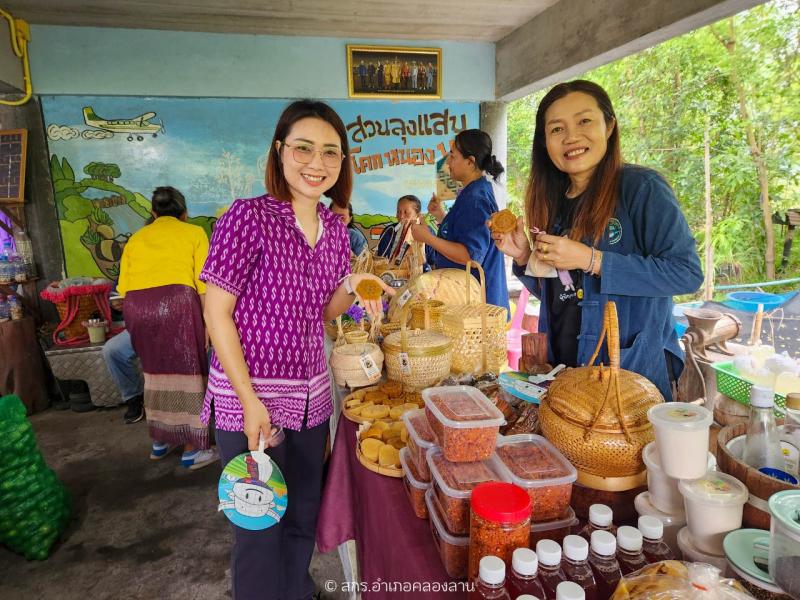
{"x":756,"y":511}
{"x":346,"y":364}
{"x":447,"y":285}
{"x":429,"y":353}
{"x":597,"y":416}
{"x":478,"y":331}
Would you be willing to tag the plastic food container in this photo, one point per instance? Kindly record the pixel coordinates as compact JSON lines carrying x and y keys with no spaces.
{"x":420,"y":439}
{"x":453,"y":549}
{"x":464,"y":421}
{"x":714,"y":505}
{"x":681,"y":431}
{"x":555,"y":530}
{"x":692,"y":553}
{"x":534,"y":464}
{"x":500,"y":522}
{"x":664,"y":492}
{"x":672,"y":523}
{"x":453,"y":484}
{"x":414,"y":487}
{"x":784,"y":544}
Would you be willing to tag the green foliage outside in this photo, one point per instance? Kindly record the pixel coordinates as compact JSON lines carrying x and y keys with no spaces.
{"x":736,"y":73}
{"x":370,"y":220}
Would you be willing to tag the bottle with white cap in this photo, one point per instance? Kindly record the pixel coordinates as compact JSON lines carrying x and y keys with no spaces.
{"x":569,"y":590}
{"x":523,"y":576}
{"x":601,"y":518}
{"x":603,"y":560}
{"x":528,"y":597}
{"x":762,"y":445}
{"x":629,"y":550}
{"x":654,"y":547}
{"x":490,"y":584}
{"x":550,"y":573}
{"x":576,"y":564}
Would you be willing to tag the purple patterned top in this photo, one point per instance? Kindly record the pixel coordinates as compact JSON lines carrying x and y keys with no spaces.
{"x":259,"y":254}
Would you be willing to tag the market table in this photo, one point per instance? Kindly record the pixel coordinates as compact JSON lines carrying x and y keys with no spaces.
{"x":393,"y":546}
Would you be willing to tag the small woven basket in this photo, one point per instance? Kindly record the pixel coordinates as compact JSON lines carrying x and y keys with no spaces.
{"x":379,"y":265}
{"x":76,"y":304}
{"x":597,"y":416}
{"x":478,"y":331}
{"x":356,"y":337}
{"x":436,"y":309}
{"x":347,"y":368}
{"x":429,"y":354}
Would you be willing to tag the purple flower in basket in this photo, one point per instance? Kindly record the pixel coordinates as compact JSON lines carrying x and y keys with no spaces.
{"x":356,"y":313}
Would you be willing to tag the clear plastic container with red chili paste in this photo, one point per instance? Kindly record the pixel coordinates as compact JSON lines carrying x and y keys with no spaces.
{"x":420,"y":438}
{"x":453,"y":549}
{"x":414,"y":487}
{"x":452,"y":483}
{"x":535,"y":465}
{"x":464,"y":421}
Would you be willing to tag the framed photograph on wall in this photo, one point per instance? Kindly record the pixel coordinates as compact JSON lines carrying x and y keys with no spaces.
{"x":394,"y":72}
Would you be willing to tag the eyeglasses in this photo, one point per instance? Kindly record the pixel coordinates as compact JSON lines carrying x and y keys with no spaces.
{"x":304,"y":154}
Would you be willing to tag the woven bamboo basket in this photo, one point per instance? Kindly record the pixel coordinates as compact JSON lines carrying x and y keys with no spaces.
{"x":429,"y":353}
{"x":356,"y":337}
{"x":379,"y":265}
{"x":597,"y":416}
{"x":336,"y":328}
{"x":478,"y":331}
{"x":87,"y":308}
{"x":347,"y":368}
{"x":436,"y":309}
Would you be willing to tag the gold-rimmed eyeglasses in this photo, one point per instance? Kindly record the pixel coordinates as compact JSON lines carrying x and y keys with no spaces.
{"x":304,"y":154}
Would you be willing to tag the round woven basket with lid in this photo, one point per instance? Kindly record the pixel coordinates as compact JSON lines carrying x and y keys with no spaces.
{"x":597,"y":415}
{"x":429,"y":354}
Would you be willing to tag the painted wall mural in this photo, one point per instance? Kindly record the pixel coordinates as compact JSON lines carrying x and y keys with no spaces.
{"x":108,"y":153}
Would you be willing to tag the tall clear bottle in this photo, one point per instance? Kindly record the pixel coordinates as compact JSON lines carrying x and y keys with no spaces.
{"x":762,"y":446}
{"x":490,"y":584}
{"x":550,"y":573}
{"x":654,"y":547}
{"x":25,"y":251}
{"x":629,"y":549}
{"x":601,"y":518}
{"x":523,"y":577}
{"x":576,"y":565}
{"x":569,"y":590}
{"x":603,"y":560}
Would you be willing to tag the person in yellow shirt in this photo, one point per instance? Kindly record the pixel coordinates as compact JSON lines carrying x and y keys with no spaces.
{"x":163,"y":310}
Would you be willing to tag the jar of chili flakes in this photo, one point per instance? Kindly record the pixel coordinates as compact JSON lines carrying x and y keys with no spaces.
{"x":500,"y":522}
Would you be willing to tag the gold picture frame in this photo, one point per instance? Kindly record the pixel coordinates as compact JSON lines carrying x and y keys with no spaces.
{"x":414,"y":73}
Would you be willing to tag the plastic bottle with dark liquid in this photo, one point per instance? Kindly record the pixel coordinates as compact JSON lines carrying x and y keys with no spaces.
{"x":603,"y":560}
{"x":601,"y":518}
{"x":523,"y":578}
{"x":629,"y":550}
{"x":550,"y":574}
{"x":654,"y":547}
{"x":575,"y":565}
{"x":490,"y":584}
{"x":569,"y":590}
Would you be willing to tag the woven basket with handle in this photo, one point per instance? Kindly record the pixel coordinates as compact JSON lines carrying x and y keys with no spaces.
{"x":597,"y":415}
{"x":347,"y":367}
{"x":429,"y":354}
{"x":478,"y":330}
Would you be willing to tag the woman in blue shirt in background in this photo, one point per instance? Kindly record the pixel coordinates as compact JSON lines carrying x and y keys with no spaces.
{"x":463,"y":235}
{"x":617,"y":229}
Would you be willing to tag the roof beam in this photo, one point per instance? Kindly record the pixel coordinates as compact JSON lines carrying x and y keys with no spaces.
{"x":575,"y":36}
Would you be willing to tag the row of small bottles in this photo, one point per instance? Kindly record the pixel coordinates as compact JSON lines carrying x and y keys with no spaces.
{"x":589,"y":567}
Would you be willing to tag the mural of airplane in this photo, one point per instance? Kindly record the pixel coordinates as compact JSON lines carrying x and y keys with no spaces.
{"x":138,"y":126}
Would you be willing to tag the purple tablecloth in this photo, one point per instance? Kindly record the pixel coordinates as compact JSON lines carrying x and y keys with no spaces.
{"x":393,"y":546}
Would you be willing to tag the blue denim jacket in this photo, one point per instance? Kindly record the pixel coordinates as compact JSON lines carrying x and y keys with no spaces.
{"x":649,"y":256}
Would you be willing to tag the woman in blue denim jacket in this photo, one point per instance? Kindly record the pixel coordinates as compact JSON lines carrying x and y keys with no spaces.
{"x":613,"y":231}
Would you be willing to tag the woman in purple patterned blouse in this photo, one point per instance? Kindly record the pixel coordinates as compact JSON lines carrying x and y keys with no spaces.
{"x":277,"y":269}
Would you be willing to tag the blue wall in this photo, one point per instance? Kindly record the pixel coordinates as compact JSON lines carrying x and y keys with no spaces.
{"x":105,"y":61}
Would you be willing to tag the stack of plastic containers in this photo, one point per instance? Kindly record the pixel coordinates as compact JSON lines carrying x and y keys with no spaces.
{"x":682,"y":488}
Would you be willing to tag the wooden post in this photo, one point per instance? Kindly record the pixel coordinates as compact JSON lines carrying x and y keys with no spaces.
{"x":708,"y":292}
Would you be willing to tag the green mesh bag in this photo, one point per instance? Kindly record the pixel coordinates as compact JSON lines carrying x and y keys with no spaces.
{"x":34,"y":504}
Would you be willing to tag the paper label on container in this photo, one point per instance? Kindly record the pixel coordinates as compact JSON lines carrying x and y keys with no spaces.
{"x":368,"y":365}
{"x":404,"y":297}
{"x":405,"y":363}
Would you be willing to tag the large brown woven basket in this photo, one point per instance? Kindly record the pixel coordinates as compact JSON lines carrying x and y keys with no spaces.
{"x":597,"y":416}
{"x":478,"y":331}
{"x":429,"y":354}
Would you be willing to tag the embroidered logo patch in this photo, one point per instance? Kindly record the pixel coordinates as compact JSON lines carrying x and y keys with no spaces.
{"x":614,"y":231}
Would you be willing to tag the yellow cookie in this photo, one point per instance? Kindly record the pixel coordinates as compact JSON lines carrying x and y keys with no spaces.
{"x":352,"y":402}
{"x":375,"y":412}
{"x":389,"y":434}
{"x":397,"y":443}
{"x":392,"y":388}
{"x":376,"y":397}
{"x":380,"y":425}
{"x":372,"y":432}
{"x":371,"y":448}
{"x":388,"y":456}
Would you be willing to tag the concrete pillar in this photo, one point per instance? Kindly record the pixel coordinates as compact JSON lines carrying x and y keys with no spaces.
{"x":494,"y":121}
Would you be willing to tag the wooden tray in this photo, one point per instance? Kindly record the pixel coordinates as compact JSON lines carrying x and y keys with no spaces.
{"x":355,"y":394}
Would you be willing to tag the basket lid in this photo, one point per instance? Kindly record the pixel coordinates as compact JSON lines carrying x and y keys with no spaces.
{"x":576,"y":394}
{"x":421,"y":342}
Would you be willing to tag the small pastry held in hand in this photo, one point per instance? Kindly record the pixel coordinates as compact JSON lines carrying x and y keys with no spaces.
{"x":369,"y":290}
{"x":503,"y":221}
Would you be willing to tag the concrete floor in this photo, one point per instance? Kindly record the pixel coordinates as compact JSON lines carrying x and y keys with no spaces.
{"x":140,"y":529}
